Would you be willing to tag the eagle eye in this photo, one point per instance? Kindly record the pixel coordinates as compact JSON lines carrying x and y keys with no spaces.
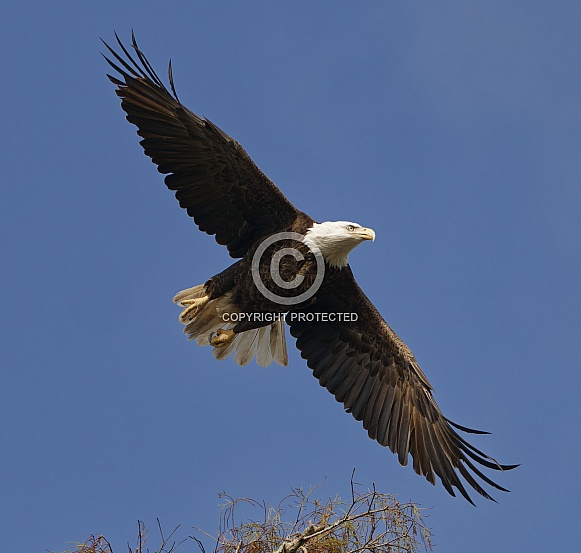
{"x":350,"y":228}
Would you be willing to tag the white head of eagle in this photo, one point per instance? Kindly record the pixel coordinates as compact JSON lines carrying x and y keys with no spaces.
{"x":336,"y":239}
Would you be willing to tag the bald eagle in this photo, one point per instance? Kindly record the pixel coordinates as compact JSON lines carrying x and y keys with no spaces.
{"x":290,"y":269}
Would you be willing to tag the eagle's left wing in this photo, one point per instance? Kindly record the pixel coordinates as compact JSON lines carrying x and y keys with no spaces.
{"x":368,"y":368}
{"x":214,"y":179}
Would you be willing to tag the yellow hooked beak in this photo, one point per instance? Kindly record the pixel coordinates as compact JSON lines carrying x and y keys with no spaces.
{"x":366,"y":234}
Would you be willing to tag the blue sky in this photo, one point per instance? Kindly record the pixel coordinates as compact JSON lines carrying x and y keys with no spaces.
{"x":450,"y":128}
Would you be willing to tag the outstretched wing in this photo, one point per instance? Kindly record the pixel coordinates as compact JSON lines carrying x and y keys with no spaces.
{"x":367,"y":367}
{"x":214,"y":178}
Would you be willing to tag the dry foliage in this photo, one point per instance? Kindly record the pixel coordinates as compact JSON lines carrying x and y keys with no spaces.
{"x":369,"y":522}
{"x":98,"y":544}
{"x":94,"y":544}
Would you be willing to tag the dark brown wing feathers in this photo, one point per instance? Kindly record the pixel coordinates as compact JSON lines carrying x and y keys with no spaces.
{"x":372,"y":372}
{"x":213,"y":177}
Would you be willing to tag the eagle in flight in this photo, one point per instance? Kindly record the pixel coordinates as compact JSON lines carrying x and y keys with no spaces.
{"x":290,"y":270}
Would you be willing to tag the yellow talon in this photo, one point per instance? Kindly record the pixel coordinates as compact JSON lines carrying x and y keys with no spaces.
{"x":193,"y":306}
{"x":222,"y":338}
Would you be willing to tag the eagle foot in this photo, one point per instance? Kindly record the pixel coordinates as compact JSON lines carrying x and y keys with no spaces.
{"x":191,"y":308}
{"x":222,"y":338}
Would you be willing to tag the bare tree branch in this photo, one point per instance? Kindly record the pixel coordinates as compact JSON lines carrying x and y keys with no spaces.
{"x":371,"y":522}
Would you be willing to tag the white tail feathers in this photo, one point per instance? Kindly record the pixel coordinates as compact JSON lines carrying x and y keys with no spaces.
{"x":203,"y":317}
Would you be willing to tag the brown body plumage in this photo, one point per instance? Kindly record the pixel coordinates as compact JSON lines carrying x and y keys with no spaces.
{"x":362,"y":362}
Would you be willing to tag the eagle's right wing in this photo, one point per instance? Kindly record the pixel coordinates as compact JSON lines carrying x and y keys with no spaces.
{"x":369,"y":369}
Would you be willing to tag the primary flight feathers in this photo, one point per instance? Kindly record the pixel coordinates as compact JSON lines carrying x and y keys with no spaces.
{"x":362,"y":362}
